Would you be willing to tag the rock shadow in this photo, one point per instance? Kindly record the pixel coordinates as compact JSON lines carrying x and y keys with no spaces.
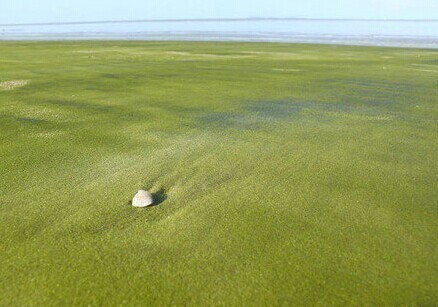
{"x":159,"y":197}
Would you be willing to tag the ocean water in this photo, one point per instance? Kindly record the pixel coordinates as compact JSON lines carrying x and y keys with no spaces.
{"x":422,"y":34}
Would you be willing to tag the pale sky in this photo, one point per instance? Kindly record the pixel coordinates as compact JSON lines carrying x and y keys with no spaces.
{"x":29,"y":11}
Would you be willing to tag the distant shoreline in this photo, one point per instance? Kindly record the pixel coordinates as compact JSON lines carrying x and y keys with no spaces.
{"x":352,"y":40}
{"x":255,"y":19}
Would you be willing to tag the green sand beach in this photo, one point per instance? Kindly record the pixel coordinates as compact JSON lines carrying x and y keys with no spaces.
{"x":287,"y":174}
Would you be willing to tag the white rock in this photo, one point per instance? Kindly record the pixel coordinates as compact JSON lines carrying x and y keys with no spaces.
{"x":142,"y":199}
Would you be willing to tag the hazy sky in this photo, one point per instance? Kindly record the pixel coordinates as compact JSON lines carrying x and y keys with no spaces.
{"x":18,"y":11}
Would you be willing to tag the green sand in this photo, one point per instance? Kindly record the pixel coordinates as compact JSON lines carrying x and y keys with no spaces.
{"x":287,"y":174}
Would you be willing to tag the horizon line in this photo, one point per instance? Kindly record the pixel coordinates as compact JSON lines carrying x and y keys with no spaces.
{"x":215,"y":20}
